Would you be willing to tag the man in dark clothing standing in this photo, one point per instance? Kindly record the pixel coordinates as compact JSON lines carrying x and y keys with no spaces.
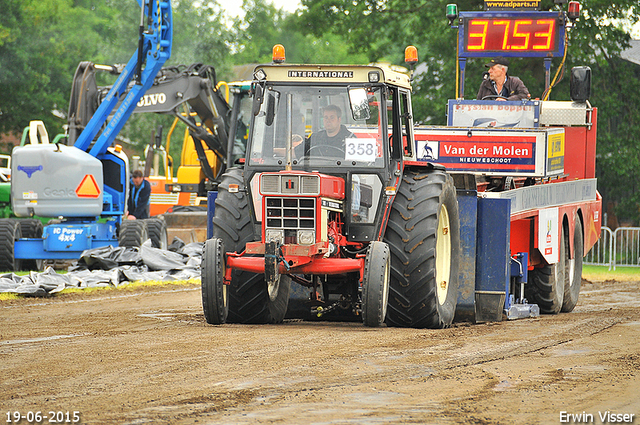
{"x":139,"y":194}
{"x":501,"y":84}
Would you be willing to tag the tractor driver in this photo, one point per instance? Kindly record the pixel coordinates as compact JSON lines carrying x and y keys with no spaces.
{"x":330,"y":141}
{"x":501,"y":86}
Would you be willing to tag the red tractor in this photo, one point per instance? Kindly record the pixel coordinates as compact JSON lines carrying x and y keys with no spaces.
{"x":350,"y":221}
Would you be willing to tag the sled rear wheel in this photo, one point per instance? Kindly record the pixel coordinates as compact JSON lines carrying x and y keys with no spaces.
{"x":573,"y":269}
{"x":546,"y":283}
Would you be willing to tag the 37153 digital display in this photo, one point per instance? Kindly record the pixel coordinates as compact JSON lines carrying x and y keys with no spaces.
{"x":512,"y":36}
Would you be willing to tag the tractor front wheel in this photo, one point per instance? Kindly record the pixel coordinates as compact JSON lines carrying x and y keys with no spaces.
{"x":375,"y":284}
{"x":215,"y":294}
{"x":250,"y":299}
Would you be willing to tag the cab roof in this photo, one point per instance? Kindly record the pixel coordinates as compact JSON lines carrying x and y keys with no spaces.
{"x":335,"y":74}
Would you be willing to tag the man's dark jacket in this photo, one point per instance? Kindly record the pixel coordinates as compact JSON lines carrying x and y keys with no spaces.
{"x":138,"y":202}
{"x":513,"y":89}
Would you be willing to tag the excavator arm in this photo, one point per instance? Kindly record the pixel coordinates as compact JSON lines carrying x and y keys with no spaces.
{"x":155,"y":47}
{"x":188,"y":93}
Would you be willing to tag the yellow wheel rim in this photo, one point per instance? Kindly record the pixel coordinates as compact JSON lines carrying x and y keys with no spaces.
{"x":443,"y":255}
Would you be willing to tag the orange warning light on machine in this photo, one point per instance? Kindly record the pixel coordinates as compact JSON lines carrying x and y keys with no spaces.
{"x":88,"y":188}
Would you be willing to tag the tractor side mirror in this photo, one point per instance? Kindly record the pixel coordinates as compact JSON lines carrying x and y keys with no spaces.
{"x":272,"y":105}
{"x":359,"y":103}
{"x":580,"y":84}
{"x":258,"y":94}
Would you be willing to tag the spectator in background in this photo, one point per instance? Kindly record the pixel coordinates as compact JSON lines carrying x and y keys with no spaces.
{"x":139,"y":196}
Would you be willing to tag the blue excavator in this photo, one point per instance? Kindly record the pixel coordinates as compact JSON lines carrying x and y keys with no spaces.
{"x":84,"y":187}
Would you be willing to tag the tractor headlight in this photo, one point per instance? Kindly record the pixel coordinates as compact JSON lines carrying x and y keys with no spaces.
{"x":306,"y":237}
{"x":274,"y":235}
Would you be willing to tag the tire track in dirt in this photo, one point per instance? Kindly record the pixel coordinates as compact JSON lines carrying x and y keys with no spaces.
{"x":377,"y":374}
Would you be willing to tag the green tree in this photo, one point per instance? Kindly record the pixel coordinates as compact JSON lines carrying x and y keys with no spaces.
{"x":39,"y":51}
{"x":256,"y":33}
{"x":264,"y":26}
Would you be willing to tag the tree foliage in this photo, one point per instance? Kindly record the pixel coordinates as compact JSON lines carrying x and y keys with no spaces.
{"x":42,"y":42}
{"x":39,"y":51}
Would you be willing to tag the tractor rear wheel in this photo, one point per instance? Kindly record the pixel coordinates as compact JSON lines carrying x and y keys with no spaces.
{"x":215,"y":294}
{"x":132,"y":233}
{"x":250,"y":301}
{"x":573,"y":269}
{"x":32,"y":228}
{"x":423,"y":235}
{"x":375,"y":284}
{"x":157,"y":231}
{"x":546,"y":284}
{"x":9,"y":233}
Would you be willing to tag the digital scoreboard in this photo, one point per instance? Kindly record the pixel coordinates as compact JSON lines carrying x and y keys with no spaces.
{"x":515,"y":34}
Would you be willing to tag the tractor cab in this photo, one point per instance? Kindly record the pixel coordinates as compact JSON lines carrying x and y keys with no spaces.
{"x":335,"y":121}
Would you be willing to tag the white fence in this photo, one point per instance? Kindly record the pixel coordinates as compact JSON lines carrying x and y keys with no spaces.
{"x":619,"y":248}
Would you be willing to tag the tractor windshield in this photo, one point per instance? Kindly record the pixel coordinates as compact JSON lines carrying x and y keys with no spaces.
{"x":321,"y":125}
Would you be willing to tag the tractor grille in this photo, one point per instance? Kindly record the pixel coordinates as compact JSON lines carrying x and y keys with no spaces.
{"x":291,"y":213}
{"x":275,"y":184}
{"x":289,"y":216}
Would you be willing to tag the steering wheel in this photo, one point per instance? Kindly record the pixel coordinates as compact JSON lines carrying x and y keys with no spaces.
{"x":330,"y":149}
{"x":494,"y":96}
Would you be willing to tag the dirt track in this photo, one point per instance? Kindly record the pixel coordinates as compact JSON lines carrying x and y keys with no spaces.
{"x":147,"y":356}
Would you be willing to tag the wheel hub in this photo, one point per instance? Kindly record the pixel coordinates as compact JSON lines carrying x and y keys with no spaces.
{"x":443,"y":255}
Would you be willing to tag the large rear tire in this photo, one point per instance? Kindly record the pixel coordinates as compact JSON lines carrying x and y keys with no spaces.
{"x":375,"y":285}
{"x":9,"y":233}
{"x":546,"y":284}
{"x":32,"y":228}
{"x":573,"y":269}
{"x":249,"y":298}
{"x":157,"y":231}
{"x":215,"y":294}
{"x":132,"y":233}
{"x":423,"y":235}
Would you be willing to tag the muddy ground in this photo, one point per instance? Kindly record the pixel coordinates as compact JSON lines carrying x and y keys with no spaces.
{"x":147,"y":356}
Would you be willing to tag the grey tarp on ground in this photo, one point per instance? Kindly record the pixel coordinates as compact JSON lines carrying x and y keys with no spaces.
{"x":109,"y":266}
